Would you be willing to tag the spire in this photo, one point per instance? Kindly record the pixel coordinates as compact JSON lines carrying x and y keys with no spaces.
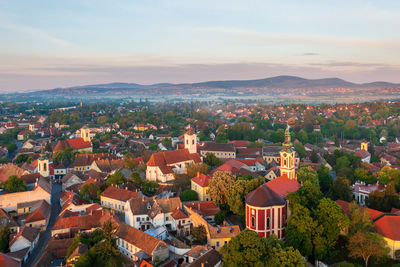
{"x":287,"y":144}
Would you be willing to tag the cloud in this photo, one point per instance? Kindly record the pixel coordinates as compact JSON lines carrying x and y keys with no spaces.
{"x":311,"y":54}
{"x":35,"y":32}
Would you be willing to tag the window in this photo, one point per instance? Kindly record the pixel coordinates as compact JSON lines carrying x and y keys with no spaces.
{"x":138,"y":219}
{"x":147,"y":219}
{"x":225,"y":242}
{"x":193,"y":142}
{"x":253,"y":222}
{"x":166,"y":218}
{"x":217,"y":244}
{"x":268,"y":222}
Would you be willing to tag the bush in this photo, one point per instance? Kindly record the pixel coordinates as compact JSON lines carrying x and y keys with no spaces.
{"x":189,"y":195}
{"x":220,"y":217}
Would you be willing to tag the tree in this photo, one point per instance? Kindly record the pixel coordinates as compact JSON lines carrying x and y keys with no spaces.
{"x":130,"y":162}
{"x":14,"y":184}
{"x":245,"y":249}
{"x":211,"y":160}
{"x":107,"y":251}
{"x":239,"y":190}
{"x":4,"y":238}
{"x":314,"y":157}
{"x":300,"y":229}
{"x":200,"y":234}
{"x":306,"y":173}
{"x":115,"y":179}
{"x":359,"y":219}
{"x":220,"y":217}
{"x":286,"y":257}
{"x":300,"y":149}
{"x":188,"y":195}
{"x":325,"y":179}
{"x":308,"y":196}
{"x":219,"y":187}
{"x":385,"y":200}
{"x":329,"y":215}
{"x":90,"y":190}
{"x":23,"y":158}
{"x":193,"y":169}
{"x":66,"y":155}
{"x":341,"y":189}
{"x":167,"y":142}
{"x":366,"y":245}
{"x":11,"y":148}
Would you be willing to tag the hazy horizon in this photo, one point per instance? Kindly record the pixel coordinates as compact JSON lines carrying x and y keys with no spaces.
{"x":47,"y":45}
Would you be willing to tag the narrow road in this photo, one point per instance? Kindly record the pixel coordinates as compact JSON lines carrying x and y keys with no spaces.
{"x":46,"y":235}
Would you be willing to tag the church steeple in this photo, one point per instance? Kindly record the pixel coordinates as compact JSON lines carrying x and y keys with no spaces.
{"x":288,"y":156}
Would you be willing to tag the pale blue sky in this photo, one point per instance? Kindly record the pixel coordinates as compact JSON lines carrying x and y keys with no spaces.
{"x":47,"y":44}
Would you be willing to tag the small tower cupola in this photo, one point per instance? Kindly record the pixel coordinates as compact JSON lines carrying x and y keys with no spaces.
{"x":43,"y":165}
{"x":287,"y":156}
{"x":364,"y":145}
{"x":85,"y":134}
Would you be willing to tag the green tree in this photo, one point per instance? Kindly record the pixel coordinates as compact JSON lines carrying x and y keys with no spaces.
{"x":359,"y":219}
{"x":14,"y":184}
{"x":300,"y":229}
{"x":308,"y":196}
{"x":384,"y":201}
{"x":300,"y":149}
{"x":188,"y":195}
{"x":306,"y":173}
{"x":366,"y":245}
{"x":286,"y":257}
{"x":115,"y":179}
{"x":219,"y":187}
{"x":325,"y":179}
{"x":238,"y":191}
{"x":4,"y":238}
{"x":314,"y":157}
{"x":90,"y":191}
{"x":245,"y":249}
{"x":211,"y":160}
{"x":23,"y":158}
{"x":220,"y":217}
{"x":329,"y":215}
{"x":193,"y":169}
{"x":11,"y":148}
{"x":341,"y":189}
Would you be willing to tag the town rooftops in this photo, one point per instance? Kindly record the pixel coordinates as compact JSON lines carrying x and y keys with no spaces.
{"x":41,"y":213}
{"x":366,"y":189}
{"x":263,"y":196}
{"x":373,"y":214}
{"x":166,"y":158}
{"x":271,"y":150}
{"x":87,"y":159}
{"x":211,"y":146}
{"x":210,"y":258}
{"x":119,"y":194}
{"x":26,"y":232}
{"x":153,"y":207}
{"x":362,"y":154}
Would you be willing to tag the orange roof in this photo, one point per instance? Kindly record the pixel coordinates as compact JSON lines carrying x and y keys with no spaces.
{"x":144,"y":263}
{"x":283,"y":185}
{"x":389,"y":226}
{"x":201,"y":180}
{"x":41,"y":213}
{"x":78,"y":143}
{"x":179,"y":214}
{"x":204,"y":208}
{"x":373,"y":214}
{"x":166,"y":158}
{"x":119,"y":194}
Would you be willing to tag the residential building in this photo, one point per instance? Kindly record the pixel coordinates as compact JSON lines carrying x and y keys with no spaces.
{"x":200,"y":185}
{"x":220,"y":150}
{"x":361,"y":191}
{"x":116,"y":198}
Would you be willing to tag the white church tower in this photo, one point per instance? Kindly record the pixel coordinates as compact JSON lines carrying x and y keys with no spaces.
{"x":43,"y":165}
{"x":191,"y":141}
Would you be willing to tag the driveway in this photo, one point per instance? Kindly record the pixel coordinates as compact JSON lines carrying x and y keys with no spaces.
{"x":46,"y":234}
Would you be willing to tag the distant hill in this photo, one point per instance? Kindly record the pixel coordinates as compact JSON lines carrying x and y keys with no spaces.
{"x":281,"y":82}
{"x":276,"y":88}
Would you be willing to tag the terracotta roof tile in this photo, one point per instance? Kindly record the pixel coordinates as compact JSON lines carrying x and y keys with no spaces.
{"x":202,"y":180}
{"x":7,"y":261}
{"x":119,"y":194}
{"x":389,"y":226}
{"x":263,"y":196}
{"x":78,"y":143}
{"x":283,"y":186}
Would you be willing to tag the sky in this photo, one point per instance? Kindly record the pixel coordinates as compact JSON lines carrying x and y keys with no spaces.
{"x":47,"y":44}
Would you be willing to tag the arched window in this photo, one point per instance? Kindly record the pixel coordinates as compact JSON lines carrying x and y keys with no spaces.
{"x":268,"y":222}
{"x":193,"y":142}
{"x":284,"y":162}
{"x":253,"y":222}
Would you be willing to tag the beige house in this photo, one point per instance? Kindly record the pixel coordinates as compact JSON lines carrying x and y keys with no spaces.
{"x":200,"y":185}
{"x":116,"y":198}
{"x":220,"y":150}
{"x":41,"y":191}
{"x":131,"y":241}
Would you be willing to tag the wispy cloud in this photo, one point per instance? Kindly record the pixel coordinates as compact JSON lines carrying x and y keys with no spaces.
{"x":35,"y":32}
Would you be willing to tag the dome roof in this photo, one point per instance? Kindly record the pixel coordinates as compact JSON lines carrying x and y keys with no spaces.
{"x":264,"y":196}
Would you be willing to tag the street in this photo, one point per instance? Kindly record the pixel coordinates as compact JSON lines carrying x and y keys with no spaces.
{"x":46,"y":235}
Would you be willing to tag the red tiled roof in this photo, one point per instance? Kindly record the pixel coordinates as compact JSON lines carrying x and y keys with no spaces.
{"x":373,"y":214}
{"x":264,"y":196}
{"x":204,"y":208}
{"x":389,"y":226}
{"x":201,"y":180}
{"x":119,"y":194}
{"x":166,"y":158}
{"x":240,"y":143}
{"x":179,"y":214}
{"x":283,"y":185}
{"x":78,"y":143}
{"x":41,"y":213}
